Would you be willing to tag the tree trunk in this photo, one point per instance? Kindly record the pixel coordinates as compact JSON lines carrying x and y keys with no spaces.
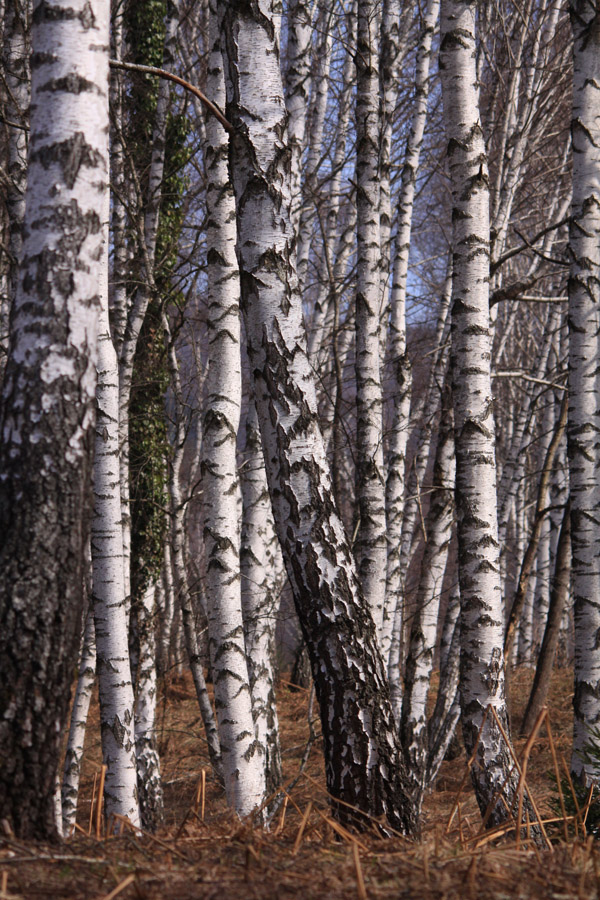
{"x":362,"y":760}
{"x":400,"y":364}
{"x":109,"y":594}
{"x":584,"y":326}
{"x":370,"y":546}
{"x":421,"y":649}
{"x":48,"y":406}
{"x":150,"y":792}
{"x":79,"y":714}
{"x":243,"y":757}
{"x":262,"y":576}
{"x":482,"y":669}
{"x":558,"y":599}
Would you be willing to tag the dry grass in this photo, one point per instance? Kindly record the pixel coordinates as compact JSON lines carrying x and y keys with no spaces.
{"x":305,"y":854}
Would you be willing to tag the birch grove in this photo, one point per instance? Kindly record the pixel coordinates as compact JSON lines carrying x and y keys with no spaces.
{"x":298,"y":342}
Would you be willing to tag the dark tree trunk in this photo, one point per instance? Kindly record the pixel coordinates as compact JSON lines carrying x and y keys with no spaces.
{"x":558,"y":599}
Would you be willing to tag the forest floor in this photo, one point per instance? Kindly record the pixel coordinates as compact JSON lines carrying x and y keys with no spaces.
{"x":204,"y":852}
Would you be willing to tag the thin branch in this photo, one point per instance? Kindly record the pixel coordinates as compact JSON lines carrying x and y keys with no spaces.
{"x":162,"y":73}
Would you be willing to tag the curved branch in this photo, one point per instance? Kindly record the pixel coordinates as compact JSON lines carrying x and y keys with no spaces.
{"x":162,"y":73}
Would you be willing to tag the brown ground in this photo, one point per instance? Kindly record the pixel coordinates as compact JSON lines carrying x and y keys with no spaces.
{"x":218,"y":856}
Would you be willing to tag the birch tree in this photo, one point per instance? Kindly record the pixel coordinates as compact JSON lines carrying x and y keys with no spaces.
{"x":584,"y":327}
{"x":482,"y":670}
{"x":48,"y":404}
{"x":370,"y":544}
{"x":243,"y":756}
{"x":362,"y":761}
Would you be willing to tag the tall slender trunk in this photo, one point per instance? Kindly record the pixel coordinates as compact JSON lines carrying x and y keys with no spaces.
{"x":297,"y":93}
{"x":421,"y":649}
{"x":150,"y":792}
{"x":584,"y":328}
{"x":362,"y":759}
{"x":79,"y":714}
{"x":139,"y":304}
{"x":558,"y":599}
{"x":109,"y":594}
{"x":175,"y":561}
{"x":370,"y":545}
{"x":47,"y":418}
{"x":243,"y":756}
{"x":260,"y":566}
{"x":482,"y":669}
{"x":400,"y":364}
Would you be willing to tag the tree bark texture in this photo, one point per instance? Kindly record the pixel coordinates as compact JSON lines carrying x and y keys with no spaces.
{"x":584,"y":328}
{"x":243,"y":757}
{"x":400,"y":364}
{"x":362,"y":760}
{"x":48,"y":404}
{"x":79,"y":714}
{"x":262,"y":577}
{"x":370,"y":546}
{"x":482,"y":669}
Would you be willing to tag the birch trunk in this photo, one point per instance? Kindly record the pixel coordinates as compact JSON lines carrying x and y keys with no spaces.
{"x":79,"y":714}
{"x":400,"y":364}
{"x":243,"y":756}
{"x":297,"y":93}
{"x":48,"y":405}
{"x":109,"y":594}
{"x":176,"y":556}
{"x":421,"y":649}
{"x":260,"y":565}
{"x":482,"y":669}
{"x":362,"y":761}
{"x":149,"y":783}
{"x":584,"y":327}
{"x":370,"y":547}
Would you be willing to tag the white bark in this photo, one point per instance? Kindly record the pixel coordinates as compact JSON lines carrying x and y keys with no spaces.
{"x":362,"y":762}
{"x":109,"y":595}
{"x":315,"y":126}
{"x":262,"y":575}
{"x":370,"y":547}
{"x":482,"y":633}
{"x":584,"y":328}
{"x":79,"y":714}
{"x":48,"y":403}
{"x":148,"y":764}
{"x":401,"y":374}
{"x":243,"y":756}
{"x":421,"y":649}
{"x":297,"y":84}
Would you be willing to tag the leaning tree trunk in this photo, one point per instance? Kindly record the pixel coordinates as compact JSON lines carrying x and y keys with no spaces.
{"x":48,"y":406}
{"x":362,"y":759}
{"x":243,"y":756}
{"x":482,"y":669}
{"x":584,"y":326}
